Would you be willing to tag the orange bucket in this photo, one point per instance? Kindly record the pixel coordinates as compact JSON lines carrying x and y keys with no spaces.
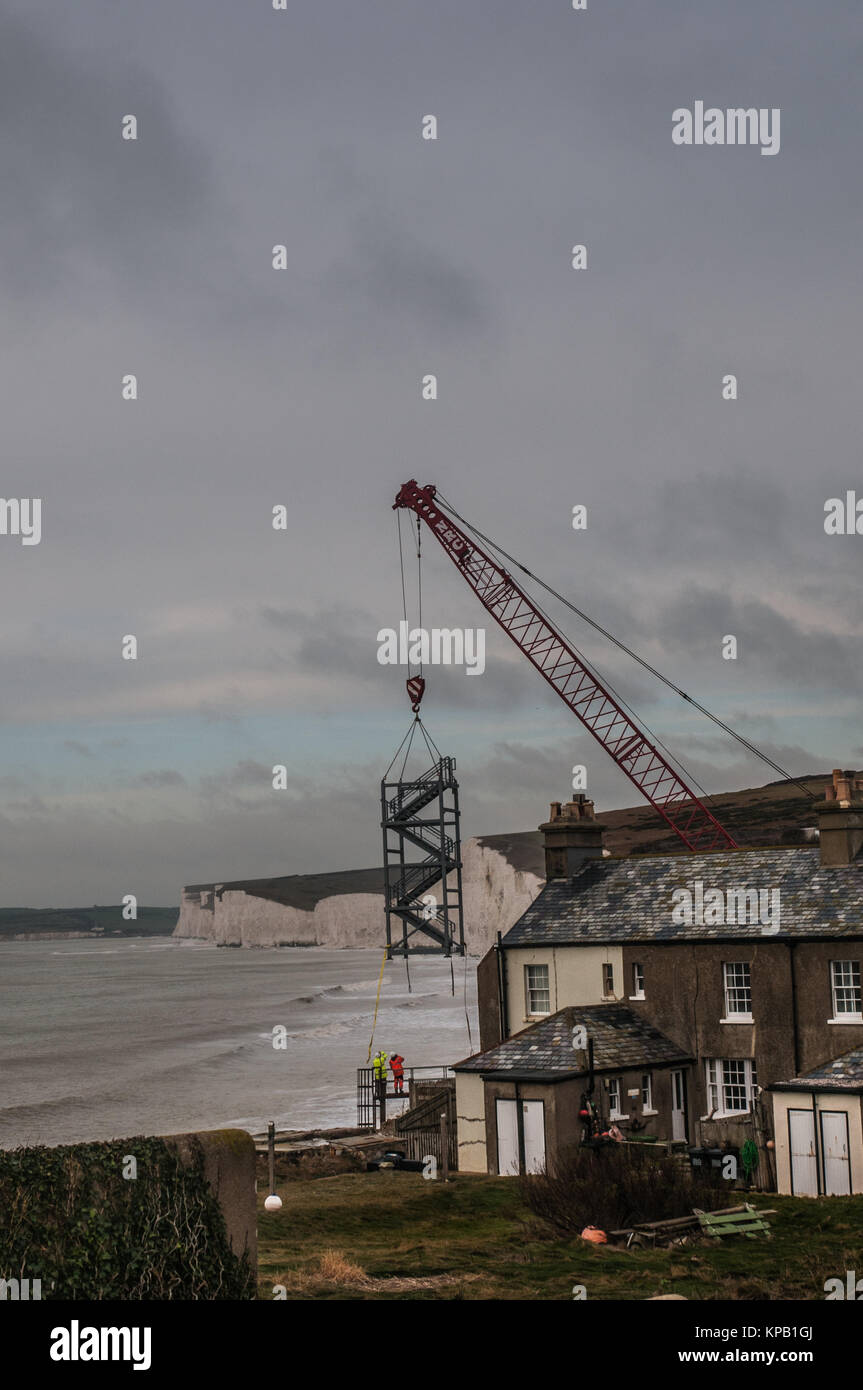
{"x":595,"y":1235}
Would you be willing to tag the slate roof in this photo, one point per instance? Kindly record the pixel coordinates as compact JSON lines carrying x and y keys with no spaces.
{"x":843,"y":1074}
{"x":621,"y":900}
{"x":622,"y":1040}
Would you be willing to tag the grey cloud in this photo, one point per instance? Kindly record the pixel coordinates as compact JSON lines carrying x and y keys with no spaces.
{"x":247,"y":774}
{"x":396,"y":275}
{"x":166,"y":777}
{"x":769,"y":642}
{"x":80,"y":200}
{"x":556,"y":387}
{"x":28,"y":806}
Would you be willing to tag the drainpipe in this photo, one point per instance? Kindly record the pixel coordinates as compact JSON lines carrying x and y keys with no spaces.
{"x":819,"y":1156}
{"x":501,"y":989}
{"x":794,"y":1008}
{"x":519,"y":1119}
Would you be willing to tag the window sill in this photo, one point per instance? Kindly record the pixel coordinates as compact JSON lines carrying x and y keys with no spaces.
{"x":650,"y":1112}
{"x":727,"y":1115}
{"x":738,"y":1018}
{"x":850,"y":1019}
{"x":615,"y":1118}
{"x":632,"y":997}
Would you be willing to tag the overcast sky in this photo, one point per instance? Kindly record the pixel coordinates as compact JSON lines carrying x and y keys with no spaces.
{"x":302,"y":387}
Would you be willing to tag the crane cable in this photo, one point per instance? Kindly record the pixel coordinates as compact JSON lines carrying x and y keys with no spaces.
{"x":377,"y":1002}
{"x":466,"y":1014}
{"x":402,"y":568}
{"x":639,"y":722}
{"x":419,"y":579}
{"x":751,"y":747}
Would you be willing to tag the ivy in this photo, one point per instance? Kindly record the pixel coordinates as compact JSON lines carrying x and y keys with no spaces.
{"x":69,"y":1218}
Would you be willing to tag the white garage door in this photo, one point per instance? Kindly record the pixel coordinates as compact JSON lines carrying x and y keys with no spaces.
{"x":533,"y":1125}
{"x":804,"y":1164}
{"x":507,"y":1137}
{"x":534,"y":1135}
{"x":834,"y":1146}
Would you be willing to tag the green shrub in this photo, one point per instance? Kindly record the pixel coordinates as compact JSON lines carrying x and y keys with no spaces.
{"x":617,"y":1186}
{"x":69,"y":1218}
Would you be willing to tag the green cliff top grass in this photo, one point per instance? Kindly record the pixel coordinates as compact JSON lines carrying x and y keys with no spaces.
{"x":397,"y":1236}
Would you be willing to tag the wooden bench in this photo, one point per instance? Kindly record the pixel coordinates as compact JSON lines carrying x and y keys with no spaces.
{"x":745,"y":1221}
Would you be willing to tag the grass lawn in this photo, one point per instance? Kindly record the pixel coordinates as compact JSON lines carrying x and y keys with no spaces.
{"x":395,"y":1235}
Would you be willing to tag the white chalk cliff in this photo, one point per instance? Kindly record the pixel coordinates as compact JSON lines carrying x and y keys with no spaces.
{"x":501,"y":876}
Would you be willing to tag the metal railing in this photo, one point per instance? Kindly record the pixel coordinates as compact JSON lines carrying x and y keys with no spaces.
{"x":421,"y":788}
{"x":372,"y":1104}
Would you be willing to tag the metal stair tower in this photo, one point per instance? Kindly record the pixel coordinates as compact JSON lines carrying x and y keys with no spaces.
{"x":423,"y":814}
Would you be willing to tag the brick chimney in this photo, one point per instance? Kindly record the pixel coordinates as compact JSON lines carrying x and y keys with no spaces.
{"x":840,"y":819}
{"x":571,"y":835}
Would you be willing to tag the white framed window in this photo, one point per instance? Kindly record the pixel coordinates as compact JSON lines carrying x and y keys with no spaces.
{"x":731,"y":1083}
{"x":608,"y":980}
{"x":536,"y":989}
{"x":845,"y":988}
{"x":647,"y":1094}
{"x":637,"y":981}
{"x":738,"y":990}
{"x":615,"y":1111}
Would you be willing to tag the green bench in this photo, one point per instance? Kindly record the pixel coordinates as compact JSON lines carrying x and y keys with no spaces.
{"x":744,"y":1222}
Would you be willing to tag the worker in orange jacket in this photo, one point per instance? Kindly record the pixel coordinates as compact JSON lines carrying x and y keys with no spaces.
{"x":397,"y":1067}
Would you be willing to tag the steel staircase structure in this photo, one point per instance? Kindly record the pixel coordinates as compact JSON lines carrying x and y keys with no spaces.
{"x":436,"y":834}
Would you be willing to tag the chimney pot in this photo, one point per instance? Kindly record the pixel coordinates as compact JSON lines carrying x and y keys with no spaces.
{"x":571,"y":836}
{"x":840,"y":820}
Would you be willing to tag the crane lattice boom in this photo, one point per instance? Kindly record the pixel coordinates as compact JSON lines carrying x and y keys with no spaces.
{"x":566,"y":673}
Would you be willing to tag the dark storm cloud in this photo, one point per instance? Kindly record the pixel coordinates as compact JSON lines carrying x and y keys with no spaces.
{"x":335,"y":641}
{"x":771,"y":644}
{"x":245,"y":775}
{"x":718,"y":764}
{"x":166,"y":777}
{"x":79,"y":201}
{"x":258,"y":128}
{"x":81,"y":749}
{"x":396,"y":275}
{"x":733,"y":513}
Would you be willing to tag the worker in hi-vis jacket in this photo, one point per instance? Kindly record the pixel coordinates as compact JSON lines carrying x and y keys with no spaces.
{"x":397,"y":1067}
{"x":380,"y":1065}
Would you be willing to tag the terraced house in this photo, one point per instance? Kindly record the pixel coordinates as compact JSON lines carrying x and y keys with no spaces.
{"x":710,"y":987}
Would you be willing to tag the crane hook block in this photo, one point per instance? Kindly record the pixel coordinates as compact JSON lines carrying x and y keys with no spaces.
{"x":416,"y":689}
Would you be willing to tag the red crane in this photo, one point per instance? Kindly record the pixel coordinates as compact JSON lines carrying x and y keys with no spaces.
{"x":567,"y":673}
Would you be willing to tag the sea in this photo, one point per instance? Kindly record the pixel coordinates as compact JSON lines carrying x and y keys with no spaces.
{"x":121,"y":1037}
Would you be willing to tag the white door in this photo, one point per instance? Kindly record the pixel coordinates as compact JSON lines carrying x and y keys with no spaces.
{"x":678,"y":1105}
{"x":804,"y":1165}
{"x":834,"y":1147}
{"x":507,"y":1137}
{"x":533,"y":1112}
